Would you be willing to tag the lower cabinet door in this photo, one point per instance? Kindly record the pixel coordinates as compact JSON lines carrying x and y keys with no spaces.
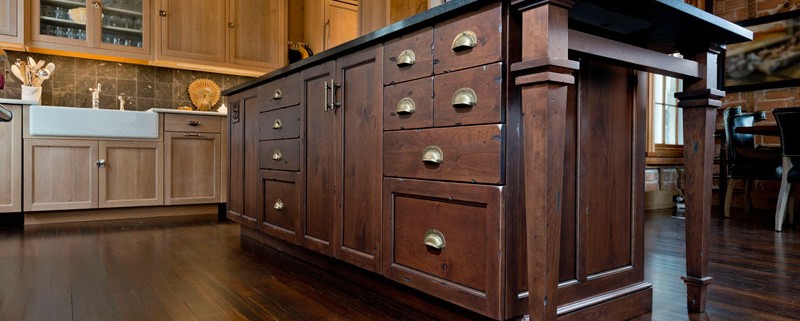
{"x":192,"y":168}
{"x":445,"y":240}
{"x":60,"y":174}
{"x":281,"y":204}
{"x":131,"y":174}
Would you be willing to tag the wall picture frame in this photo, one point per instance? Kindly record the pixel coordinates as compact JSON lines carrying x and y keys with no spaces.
{"x":771,"y":60}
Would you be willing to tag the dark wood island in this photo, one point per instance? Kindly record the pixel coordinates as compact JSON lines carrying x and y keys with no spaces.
{"x":488,"y":153}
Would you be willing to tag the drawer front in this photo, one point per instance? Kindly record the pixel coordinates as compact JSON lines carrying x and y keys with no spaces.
{"x":409,"y":57}
{"x":408,"y":105}
{"x":281,"y":204}
{"x":445,"y":240}
{"x":280,"y":124}
{"x":465,"y":154}
{"x":280,"y":93}
{"x":468,"y":41}
{"x":192,"y":123}
{"x":469,"y":97}
{"x":280,"y":154}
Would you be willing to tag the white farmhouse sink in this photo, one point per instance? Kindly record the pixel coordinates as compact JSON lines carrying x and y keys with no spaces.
{"x":87,"y":122}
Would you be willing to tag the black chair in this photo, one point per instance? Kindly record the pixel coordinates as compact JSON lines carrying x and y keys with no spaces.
{"x":789,"y":124}
{"x":746,"y":161}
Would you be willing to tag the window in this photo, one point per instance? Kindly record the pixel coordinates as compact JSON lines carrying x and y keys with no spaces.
{"x":665,"y":126}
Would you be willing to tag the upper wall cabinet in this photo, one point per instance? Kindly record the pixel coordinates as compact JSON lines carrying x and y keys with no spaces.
{"x":199,"y":31}
{"x":11,"y":18}
{"x":113,"y":25}
{"x":329,"y":23}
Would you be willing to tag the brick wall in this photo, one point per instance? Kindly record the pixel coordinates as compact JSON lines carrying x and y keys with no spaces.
{"x":764,"y":193}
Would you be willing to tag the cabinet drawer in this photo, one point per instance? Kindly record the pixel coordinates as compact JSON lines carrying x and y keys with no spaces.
{"x":408,"y":105}
{"x":281,"y":92}
{"x":192,"y":123}
{"x":445,"y":240}
{"x":280,"y":124}
{"x":466,"y":154}
{"x":408,"y":57}
{"x":469,"y":40}
{"x":280,"y":203}
{"x":468,"y":97}
{"x":280,"y":154}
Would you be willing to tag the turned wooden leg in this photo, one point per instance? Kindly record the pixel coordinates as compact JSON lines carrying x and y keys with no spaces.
{"x":728,"y":197}
{"x":780,"y":209}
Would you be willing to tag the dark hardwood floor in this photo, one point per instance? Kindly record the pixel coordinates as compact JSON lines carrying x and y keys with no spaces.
{"x":198,"y":269}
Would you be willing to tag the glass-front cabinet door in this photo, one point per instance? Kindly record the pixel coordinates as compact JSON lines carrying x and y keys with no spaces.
{"x":120,"y":25}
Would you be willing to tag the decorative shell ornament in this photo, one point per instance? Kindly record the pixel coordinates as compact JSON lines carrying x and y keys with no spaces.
{"x":204,"y":94}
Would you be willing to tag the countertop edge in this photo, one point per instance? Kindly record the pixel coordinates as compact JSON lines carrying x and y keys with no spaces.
{"x":185,"y":112}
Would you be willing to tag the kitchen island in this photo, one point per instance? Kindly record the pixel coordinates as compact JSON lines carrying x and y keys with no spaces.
{"x":488,"y":153}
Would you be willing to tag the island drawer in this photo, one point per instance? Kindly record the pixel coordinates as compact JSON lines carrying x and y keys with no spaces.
{"x":280,"y":154}
{"x":282,"y":92}
{"x":445,"y":240}
{"x":468,"y":40}
{"x":280,"y":124}
{"x":472,"y":154}
{"x":468,"y":97}
{"x":281,"y":203}
{"x":192,"y":123}
{"x":408,"y":105}
{"x":408,"y":57}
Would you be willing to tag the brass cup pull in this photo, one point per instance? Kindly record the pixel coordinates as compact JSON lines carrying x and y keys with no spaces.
{"x":464,"y":40}
{"x":277,"y":94}
{"x":433,"y":155}
{"x":278,"y":206}
{"x":277,"y":155}
{"x":406,"y":106}
{"x":434,"y":239}
{"x":464,"y":98}
{"x":277,"y":124}
{"x":406,"y":58}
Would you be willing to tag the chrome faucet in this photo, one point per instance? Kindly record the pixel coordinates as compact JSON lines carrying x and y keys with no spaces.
{"x":121,"y":99}
{"x":96,"y":96}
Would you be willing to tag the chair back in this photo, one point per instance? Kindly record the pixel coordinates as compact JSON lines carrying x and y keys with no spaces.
{"x":733,"y":118}
{"x":789,"y":124}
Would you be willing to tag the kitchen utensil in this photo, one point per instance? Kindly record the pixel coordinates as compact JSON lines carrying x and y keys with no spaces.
{"x":40,"y":64}
{"x":50,"y":67}
{"x":17,"y":72}
{"x":41,"y":76}
{"x":23,"y":68}
{"x":31,"y":62}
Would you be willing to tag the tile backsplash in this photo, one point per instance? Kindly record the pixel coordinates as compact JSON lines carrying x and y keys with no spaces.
{"x":144,"y":87}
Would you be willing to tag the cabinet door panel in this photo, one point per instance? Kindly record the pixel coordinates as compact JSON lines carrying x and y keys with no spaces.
{"x":342,"y":24}
{"x":8,"y":12}
{"x":321,"y":165}
{"x":259,"y":29}
{"x":60,"y":174}
{"x":193,"y":29}
{"x":191,"y":166}
{"x":11,"y":162}
{"x":359,"y":224}
{"x":132,"y":174}
{"x":242,"y":200}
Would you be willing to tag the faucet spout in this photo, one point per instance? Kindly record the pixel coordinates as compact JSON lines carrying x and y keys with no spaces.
{"x":96,"y":96}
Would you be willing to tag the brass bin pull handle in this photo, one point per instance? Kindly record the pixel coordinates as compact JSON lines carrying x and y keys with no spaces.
{"x":433,"y":155}
{"x":464,"y":40}
{"x":434,"y":239}
{"x":406,"y":106}
{"x":277,"y":94}
{"x":277,"y":155}
{"x":406,"y":58}
{"x":464,"y":98}
{"x":277,"y":124}
{"x":278,"y":205}
{"x":193,"y":135}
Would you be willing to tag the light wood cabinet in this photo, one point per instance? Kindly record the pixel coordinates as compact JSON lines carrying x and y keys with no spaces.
{"x":11,"y":21}
{"x":11,"y":162}
{"x":60,"y":174}
{"x":93,"y":27}
{"x":130,"y":174}
{"x":329,"y":23}
{"x":193,"y":159}
{"x":67,"y":174}
{"x":192,"y":165}
{"x":253,"y":31}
